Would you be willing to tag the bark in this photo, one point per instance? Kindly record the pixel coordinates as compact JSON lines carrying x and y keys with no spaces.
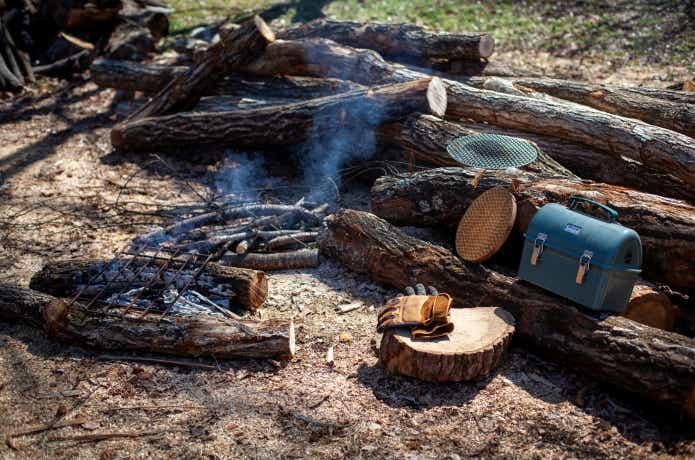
{"x":197,"y":336}
{"x":676,"y":116}
{"x":151,"y":78}
{"x":441,"y":196}
{"x":655,"y":147}
{"x":247,"y":288}
{"x":397,"y":41}
{"x":425,"y":138}
{"x":286,"y":124}
{"x":302,"y":258}
{"x":131,"y":42}
{"x":133,"y":76}
{"x":240,"y":46}
{"x":469,"y":67}
{"x":652,"y":363}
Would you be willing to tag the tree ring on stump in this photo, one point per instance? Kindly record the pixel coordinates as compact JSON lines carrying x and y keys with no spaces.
{"x":476,"y":346}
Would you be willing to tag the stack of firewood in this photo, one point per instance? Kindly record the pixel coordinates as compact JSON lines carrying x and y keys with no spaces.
{"x":630,"y":147}
{"x":61,"y":37}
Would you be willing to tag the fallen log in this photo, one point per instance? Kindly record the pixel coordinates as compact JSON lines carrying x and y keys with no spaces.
{"x":396,"y":41}
{"x":247,"y":288}
{"x":286,"y":124}
{"x":151,"y":78}
{"x":676,"y":116}
{"x":425,"y":138}
{"x":302,"y":258}
{"x":441,"y":196}
{"x":595,"y":165}
{"x":133,"y":76}
{"x":239,"y":46}
{"x":654,"y":147}
{"x":652,"y":363}
{"x":198,"y":336}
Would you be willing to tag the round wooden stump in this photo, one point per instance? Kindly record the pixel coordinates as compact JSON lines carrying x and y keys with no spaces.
{"x":471,"y":352}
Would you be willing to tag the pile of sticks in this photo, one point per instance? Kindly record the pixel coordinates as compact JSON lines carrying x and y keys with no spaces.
{"x":59,"y":38}
{"x":255,"y":236}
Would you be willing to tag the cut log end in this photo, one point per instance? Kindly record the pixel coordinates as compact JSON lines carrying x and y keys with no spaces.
{"x":265,"y":30}
{"x":436,"y":97}
{"x":475,"y":347}
{"x":650,"y":307}
{"x":486,"y":46}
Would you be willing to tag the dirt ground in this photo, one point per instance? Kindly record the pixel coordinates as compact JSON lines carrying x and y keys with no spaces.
{"x":65,"y":194}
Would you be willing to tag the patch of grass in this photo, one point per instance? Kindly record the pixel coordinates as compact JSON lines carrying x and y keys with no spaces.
{"x":625,"y":31}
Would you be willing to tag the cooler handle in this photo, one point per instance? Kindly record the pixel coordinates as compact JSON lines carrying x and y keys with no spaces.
{"x":611,"y":213}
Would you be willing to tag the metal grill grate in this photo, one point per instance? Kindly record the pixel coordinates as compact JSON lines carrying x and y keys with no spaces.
{"x":492,"y":151}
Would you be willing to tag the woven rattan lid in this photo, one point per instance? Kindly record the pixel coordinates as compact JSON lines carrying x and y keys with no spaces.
{"x":492,"y":151}
{"x":486,"y":225}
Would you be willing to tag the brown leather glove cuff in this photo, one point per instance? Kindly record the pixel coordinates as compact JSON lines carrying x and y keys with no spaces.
{"x":437,"y":309}
{"x":432,"y":331}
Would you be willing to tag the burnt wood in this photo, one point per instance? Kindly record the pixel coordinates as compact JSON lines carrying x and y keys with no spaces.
{"x":197,"y":336}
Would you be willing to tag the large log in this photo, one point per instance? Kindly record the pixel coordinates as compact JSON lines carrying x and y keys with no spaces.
{"x":236,"y":48}
{"x":677,"y":116}
{"x":286,"y":124}
{"x":397,"y":41}
{"x":247,"y":288}
{"x":595,"y":165}
{"x":441,"y":196}
{"x":655,"y":147}
{"x":199,"y":336}
{"x":425,"y":138}
{"x":151,"y":78}
{"x":655,"y":364}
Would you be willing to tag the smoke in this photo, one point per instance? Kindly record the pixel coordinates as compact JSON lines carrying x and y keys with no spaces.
{"x":243,"y":177}
{"x":328,"y":149}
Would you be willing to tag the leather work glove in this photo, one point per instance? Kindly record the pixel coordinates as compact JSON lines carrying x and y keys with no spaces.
{"x":426,"y":314}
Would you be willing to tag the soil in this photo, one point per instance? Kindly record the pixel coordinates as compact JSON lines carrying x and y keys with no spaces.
{"x":65,"y":194}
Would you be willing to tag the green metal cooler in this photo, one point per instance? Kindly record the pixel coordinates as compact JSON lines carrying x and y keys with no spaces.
{"x":592,"y":261}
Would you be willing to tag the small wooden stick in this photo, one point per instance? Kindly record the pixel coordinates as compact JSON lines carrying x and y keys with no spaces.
{"x":9,"y":437}
{"x":145,"y":359}
{"x":96,"y":437}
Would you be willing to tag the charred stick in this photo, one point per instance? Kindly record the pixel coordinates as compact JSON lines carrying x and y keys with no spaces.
{"x":230,"y":213}
{"x":291,"y":240}
{"x":303,"y":258}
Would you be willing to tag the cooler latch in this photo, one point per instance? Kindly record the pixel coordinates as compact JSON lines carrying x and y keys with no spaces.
{"x":584,"y":265}
{"x":538,"y":244}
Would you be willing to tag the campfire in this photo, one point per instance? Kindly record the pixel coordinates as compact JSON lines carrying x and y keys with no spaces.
{"x":324,"y":92}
